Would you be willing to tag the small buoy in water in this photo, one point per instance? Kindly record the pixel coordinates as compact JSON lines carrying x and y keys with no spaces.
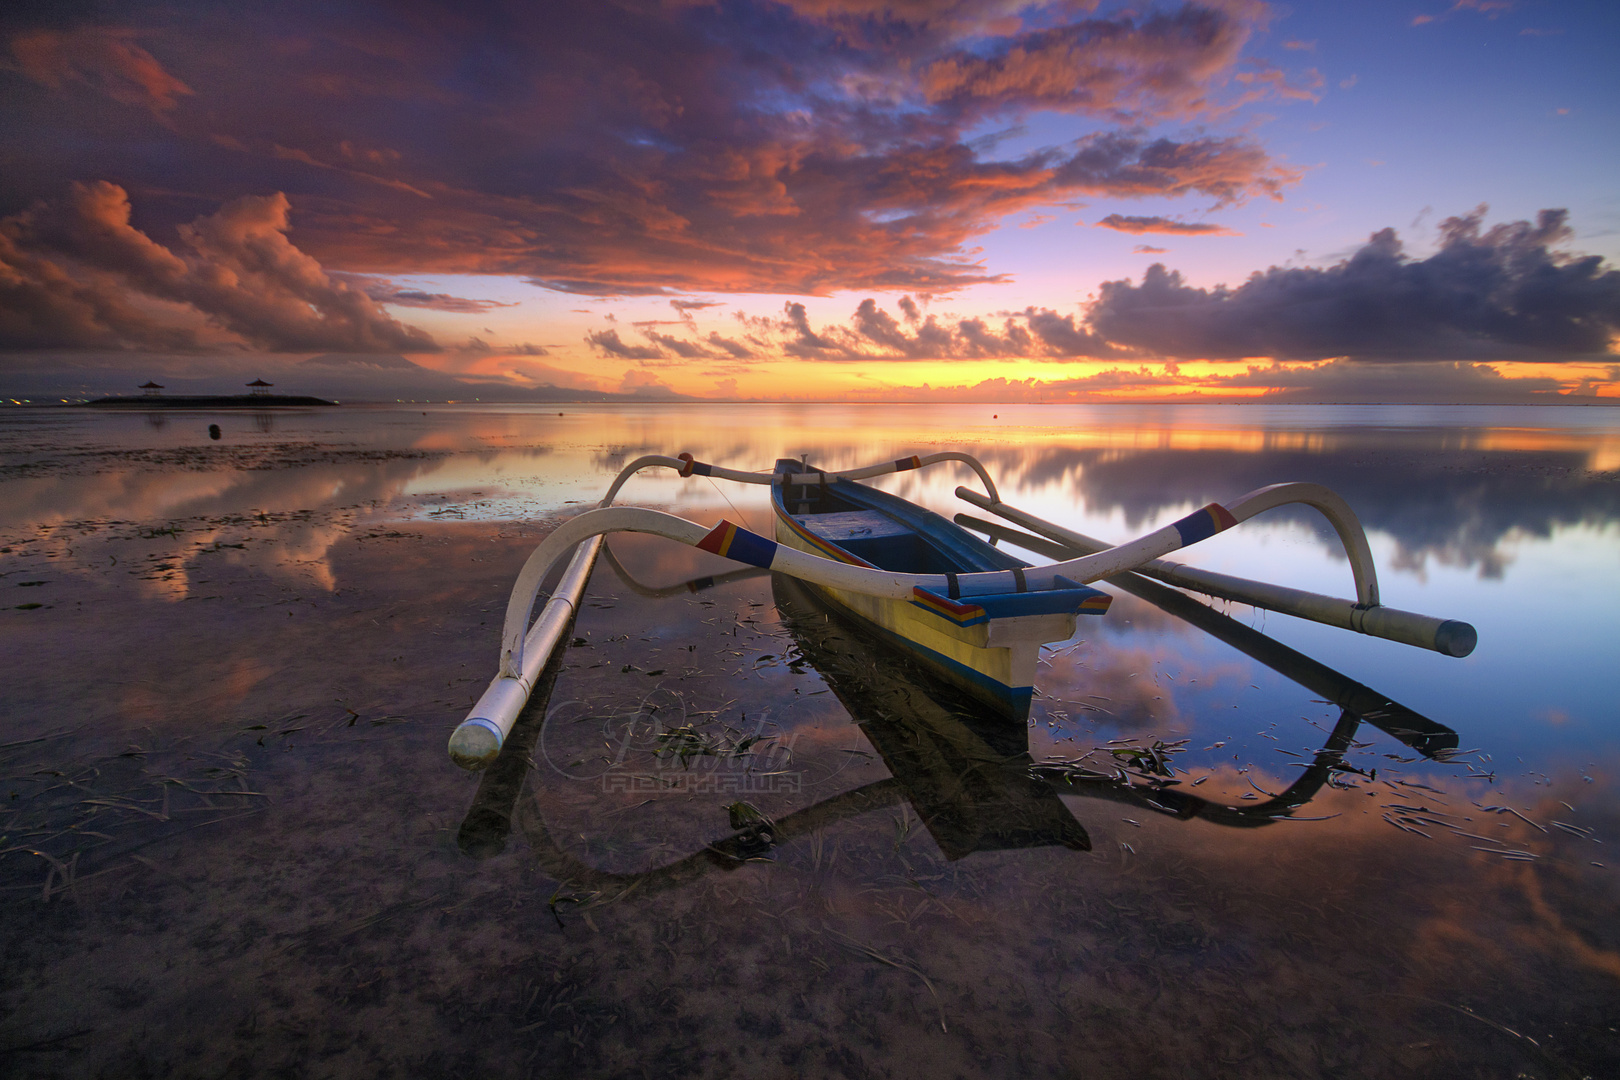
{"x":559,"y":414}
{"x":213,"y":432}
{"x":995,"y":416}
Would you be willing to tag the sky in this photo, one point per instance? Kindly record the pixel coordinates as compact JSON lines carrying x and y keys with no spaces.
{"x":860,"y":200}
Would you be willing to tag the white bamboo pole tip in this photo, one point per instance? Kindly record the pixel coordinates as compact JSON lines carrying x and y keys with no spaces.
{"x":475,"y":743}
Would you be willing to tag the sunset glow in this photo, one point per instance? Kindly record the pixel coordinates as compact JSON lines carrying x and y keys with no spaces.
{"x":814,"y":200}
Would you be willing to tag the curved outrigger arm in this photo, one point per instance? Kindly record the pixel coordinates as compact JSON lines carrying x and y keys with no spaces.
{"x":686,"y":465}
{"x":1364,"y":615}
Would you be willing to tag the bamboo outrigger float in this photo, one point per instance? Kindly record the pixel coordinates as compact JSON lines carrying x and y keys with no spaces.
{"x":974,"y":613}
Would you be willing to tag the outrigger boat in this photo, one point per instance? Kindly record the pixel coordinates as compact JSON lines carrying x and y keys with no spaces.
{"x":968,"y":610}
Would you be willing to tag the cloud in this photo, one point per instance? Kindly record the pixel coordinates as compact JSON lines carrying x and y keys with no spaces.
{"x":608,"y":342}
{"x":1135,"y":68}
{"x":637,"y":381}
{"x":642,"y":148}
{"x":731,"y":347}
{"x":1138,"y":225}
{"x":874,"y":334}
{"x":1268,"y":81}
{"x":1362,"y":382}
{"x":1148,"y":249}
{"x":76,"y":273}
{"x":687,"y":350}
{"x":385,"y":291}
{"x":687,"y":306}
{"x":104,"y":58}
{"x":1491,"y":9}
{"x":1230,"y":170}
{"x":1496,"y":294}
{"x":805,"y":342}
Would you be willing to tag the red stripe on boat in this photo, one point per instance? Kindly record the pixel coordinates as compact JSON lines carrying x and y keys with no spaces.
{"x":719,"y":539}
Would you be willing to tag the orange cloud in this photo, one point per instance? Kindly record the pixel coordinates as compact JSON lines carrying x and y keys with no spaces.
{"x":102,"y":57}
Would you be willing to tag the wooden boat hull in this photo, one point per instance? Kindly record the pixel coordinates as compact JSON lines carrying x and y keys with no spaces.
{"x":993,"y":659}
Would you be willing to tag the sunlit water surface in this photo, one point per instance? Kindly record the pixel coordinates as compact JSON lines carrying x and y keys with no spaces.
{"x":231,"y":840}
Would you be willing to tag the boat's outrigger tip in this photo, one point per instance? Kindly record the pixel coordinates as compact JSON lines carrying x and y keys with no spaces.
{"x":476,"y":743}
{"x":1455,"y":638}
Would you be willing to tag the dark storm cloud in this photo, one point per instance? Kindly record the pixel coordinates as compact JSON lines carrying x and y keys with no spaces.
{"x":1496,"y":294}
{"x":76,"y":274}
{"x":631,"y":148}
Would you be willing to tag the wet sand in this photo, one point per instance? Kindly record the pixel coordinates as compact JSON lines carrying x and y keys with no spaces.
{"x":234,"y":844}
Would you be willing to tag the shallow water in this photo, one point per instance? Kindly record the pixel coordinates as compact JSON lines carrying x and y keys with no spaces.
{"x":233,"y":841}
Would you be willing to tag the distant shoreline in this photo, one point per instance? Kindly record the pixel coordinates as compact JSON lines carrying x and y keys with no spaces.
{"x":210,"y":401}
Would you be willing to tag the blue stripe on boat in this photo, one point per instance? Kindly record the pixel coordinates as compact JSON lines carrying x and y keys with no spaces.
{"x":972,"y":610}
{"x":736,"y":543}
{"x":1203,"y":524}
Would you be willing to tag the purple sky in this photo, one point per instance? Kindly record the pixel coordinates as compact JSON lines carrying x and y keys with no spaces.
{"x":825,"y":198}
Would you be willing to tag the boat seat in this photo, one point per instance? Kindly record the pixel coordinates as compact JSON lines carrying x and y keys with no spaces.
{"x":852,"y":525}
{"x":875,"y":538}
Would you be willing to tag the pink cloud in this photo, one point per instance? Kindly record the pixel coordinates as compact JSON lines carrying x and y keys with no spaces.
{"x":77,"y":273}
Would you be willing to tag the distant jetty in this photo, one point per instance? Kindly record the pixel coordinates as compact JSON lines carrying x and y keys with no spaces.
{"x":258,"y":397}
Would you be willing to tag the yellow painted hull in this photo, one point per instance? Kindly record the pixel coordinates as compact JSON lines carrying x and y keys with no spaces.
{"x":994,"y":661}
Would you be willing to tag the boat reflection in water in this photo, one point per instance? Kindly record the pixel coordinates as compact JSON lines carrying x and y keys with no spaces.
{"x":967,"y":774}
{"x":964,"y":769}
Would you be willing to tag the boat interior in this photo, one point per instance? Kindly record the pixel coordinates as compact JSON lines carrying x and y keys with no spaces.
{"x":883,"y":530}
